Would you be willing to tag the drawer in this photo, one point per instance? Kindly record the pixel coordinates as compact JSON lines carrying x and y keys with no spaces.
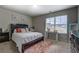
{"x":4,"y":38}
{"x":4,"y":34}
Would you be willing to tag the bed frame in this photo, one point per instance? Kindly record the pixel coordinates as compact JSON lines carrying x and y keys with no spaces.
{"x":29,"y":44}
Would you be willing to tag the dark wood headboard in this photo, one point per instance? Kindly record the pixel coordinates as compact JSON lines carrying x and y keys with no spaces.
{"x":14,"y":26}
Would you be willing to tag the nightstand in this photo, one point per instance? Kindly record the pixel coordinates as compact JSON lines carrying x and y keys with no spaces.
{"x":4,"y":36}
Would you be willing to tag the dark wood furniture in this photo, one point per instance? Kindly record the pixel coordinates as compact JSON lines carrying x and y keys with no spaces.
{"x":75,"y":43}
{"x":31,"y":43}
{"x":4,"y":36}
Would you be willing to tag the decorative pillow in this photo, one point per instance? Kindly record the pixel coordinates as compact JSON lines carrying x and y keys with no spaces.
{"x":32,"y":30}
{"x":27,"y":30}
{"x":15,"y":31}
{"x":23,"y":30}
{"x":18,"y":30}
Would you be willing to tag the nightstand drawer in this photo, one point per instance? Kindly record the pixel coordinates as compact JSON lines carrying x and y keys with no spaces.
{"x":4,"y":37}
{"x":1,"y":37}
{"x":4,"y":34}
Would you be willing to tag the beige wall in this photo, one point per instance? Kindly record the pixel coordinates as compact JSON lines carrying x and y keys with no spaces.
{"x":7,"y":17}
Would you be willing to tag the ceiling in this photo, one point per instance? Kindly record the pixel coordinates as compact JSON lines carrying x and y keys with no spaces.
{"x":34,"y":10}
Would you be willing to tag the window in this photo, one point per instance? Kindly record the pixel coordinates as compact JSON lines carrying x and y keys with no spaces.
{"x":58,"y":23}
{"x":61,"y":24}
{"x":50,"y":24}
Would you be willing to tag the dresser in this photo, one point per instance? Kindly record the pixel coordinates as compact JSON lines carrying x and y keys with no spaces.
{"x":4,"y":36}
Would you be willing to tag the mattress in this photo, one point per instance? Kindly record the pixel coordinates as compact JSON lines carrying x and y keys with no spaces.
{"x":22,"y":38}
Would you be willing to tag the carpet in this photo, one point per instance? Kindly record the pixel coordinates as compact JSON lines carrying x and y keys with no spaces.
{"x":8,"y":47}
{"x":41,"y":47}
{"x":47,"y":46}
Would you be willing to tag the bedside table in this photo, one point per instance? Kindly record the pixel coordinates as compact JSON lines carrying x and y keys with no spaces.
{"x":4,"y":36}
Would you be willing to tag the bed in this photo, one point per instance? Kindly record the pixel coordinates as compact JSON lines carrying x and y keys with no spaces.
{"x":25,"y":40}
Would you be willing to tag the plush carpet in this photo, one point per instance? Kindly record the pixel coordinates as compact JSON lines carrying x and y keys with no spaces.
{"x":8,"y":47}
{"x":47,"y":46}
{"x":40,"y":47}
{"x":50,"y":46}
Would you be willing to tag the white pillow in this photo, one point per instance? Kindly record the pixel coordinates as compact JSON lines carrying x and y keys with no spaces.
{"x":27,"y":30}
{"x":31,"y":30}
{"x":14,"y":31}
{"x":23,"y":30}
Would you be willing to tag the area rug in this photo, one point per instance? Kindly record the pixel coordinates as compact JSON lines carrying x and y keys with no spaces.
{"x":41,"y":47}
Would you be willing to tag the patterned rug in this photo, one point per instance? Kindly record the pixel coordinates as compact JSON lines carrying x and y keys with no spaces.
{"x":41,"y":47}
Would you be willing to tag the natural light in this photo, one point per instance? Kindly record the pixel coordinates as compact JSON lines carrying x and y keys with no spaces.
{"x":57,"y":24}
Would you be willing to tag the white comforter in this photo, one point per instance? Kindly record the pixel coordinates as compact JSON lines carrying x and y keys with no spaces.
{"x":22,"y":38}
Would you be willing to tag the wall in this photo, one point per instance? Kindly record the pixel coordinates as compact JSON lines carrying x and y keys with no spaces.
{"x":78,"y":20}
{"x":7,"y":17}
{"x":78,"y":12}
{"x":39,"y":21}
